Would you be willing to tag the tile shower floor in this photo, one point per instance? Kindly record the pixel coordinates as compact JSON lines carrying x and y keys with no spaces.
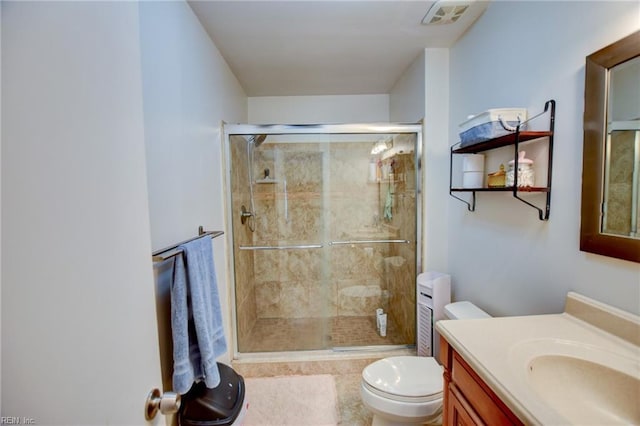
{"x":295,"y":334}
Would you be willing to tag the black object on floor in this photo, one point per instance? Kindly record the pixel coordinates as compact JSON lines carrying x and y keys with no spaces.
{"x":219,"y":406}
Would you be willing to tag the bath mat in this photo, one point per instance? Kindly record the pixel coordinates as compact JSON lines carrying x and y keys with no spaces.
{"x":291,"y":400}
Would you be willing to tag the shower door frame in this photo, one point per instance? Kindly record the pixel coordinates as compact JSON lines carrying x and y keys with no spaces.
{"x":229,"y":130}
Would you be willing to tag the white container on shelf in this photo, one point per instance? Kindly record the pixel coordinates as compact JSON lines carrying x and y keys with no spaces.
{"x":473,"y":163}
{"x":472,"y":170}
{"x":472,"y":179}
{"x":526,"y":176}
{"x":373,"y":171}
{"x":491,"y":124}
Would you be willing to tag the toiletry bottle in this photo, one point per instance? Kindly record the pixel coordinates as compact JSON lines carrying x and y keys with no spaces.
{"x":373,"y":173}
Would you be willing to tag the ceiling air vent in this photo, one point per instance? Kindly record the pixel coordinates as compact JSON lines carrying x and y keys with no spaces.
{"x":445,"y":12}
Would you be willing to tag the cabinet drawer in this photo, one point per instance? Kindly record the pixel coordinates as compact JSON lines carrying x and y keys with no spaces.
{"x":485,"y":403}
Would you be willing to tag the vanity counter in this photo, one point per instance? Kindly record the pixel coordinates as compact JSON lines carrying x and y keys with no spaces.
{"x":504,"y":351}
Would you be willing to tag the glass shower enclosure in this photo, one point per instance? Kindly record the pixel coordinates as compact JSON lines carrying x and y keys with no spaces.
{"x":325,"y":231}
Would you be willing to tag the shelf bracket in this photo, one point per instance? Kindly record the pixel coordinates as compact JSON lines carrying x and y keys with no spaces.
{"x":471,"y":206}
{"x":542,"y":214}
{"x":550,"y":107}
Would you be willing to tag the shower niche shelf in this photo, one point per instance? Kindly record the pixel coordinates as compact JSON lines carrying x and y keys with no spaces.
{"x":512,"y":139}
{"x":268,"y":181}
{"x":401,"y":172}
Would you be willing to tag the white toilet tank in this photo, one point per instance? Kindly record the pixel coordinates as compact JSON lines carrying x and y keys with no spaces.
{"x":464,"y":310}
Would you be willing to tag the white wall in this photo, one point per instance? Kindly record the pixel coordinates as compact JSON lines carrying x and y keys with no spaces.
{"x":188,"y":91}
{"x":502,"y":257}
{"x":436,"y":157}
{"x":78,"y":326}
{"x":319,"y":109}
{"x":407,"y":96}
{"x":422,"y":93}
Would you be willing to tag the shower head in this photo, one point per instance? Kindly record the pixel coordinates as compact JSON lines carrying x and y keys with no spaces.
{"x":256,"y":139}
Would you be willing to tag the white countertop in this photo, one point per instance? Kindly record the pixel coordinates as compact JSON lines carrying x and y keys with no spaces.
{"x":499,"y":350}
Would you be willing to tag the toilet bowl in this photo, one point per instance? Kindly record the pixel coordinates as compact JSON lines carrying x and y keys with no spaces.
{"x":407,"y":390}
{"x":403,"y":390}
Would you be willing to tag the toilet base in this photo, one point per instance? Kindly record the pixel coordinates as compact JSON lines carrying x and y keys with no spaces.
{"x":381,"y":421}
{"x":387,"y":412}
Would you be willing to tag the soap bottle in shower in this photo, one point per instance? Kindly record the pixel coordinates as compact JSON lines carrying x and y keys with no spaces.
{"x":373,"y":170}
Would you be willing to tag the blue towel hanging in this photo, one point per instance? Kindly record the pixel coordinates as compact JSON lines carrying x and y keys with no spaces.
{"x":196,"y":320}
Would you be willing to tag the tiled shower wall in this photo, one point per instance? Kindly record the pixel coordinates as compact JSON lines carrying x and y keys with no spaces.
{"x":245,"y":291}
{"x":401,"y":266}
{"x":620,"y":184}
{"x":318,"y":193}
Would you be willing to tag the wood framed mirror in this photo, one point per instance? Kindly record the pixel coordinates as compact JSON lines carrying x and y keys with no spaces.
{"x":596,"y":236}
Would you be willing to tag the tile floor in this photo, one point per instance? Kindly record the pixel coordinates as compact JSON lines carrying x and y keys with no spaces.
{"x":345,"y":368}
{"x":313,"y":334}
{"x":350,"y":408}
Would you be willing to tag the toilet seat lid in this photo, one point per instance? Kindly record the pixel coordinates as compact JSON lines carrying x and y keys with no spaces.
{"x":405,"y":376}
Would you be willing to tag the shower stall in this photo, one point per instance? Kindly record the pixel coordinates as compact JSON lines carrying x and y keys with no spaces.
{"x":324,"y":226}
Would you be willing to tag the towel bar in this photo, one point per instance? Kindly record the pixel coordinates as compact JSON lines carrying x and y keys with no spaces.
{"x":307,"y":246}
{"x":171,"y":251}
{"x":336,"y":243}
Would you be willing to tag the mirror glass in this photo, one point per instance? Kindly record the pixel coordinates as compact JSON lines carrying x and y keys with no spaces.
{"x":610,"y":206}
{"x":621,"y":201}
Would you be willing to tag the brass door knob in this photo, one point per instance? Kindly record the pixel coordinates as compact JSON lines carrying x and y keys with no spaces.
{"x":166,"y":403}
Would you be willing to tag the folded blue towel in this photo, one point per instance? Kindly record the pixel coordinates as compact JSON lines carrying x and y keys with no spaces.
{"x":196,"y":320}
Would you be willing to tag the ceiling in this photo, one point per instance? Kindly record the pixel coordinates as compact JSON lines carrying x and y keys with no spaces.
{"x":330,"y":47}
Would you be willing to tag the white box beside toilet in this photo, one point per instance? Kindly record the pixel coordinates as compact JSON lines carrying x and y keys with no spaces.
{"x":434,"y":293}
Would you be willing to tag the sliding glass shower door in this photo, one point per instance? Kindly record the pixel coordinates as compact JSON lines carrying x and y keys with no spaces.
{"x":325,"y":232}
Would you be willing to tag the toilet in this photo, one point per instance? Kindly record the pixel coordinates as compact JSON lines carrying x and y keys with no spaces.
{"x":407,"y":390}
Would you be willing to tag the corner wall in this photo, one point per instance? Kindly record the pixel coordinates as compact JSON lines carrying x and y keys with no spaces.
{"x":502,"y":257}
{"x":406,"y":97}
{"x":188,"y":90}
{"x":422,"y":93}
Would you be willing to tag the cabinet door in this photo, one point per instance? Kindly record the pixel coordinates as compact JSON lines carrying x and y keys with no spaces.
{"x":461,"y":412}
{"x":486,"y":404}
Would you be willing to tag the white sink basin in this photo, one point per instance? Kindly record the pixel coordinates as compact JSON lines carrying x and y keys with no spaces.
{"x":585,"y":384}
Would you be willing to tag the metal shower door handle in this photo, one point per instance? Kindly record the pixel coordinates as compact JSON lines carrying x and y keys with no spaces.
{"x":244,"y":214}
{"x":166,"y":403}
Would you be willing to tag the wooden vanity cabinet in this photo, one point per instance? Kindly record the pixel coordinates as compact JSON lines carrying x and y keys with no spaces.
{"x":467,"y":399}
